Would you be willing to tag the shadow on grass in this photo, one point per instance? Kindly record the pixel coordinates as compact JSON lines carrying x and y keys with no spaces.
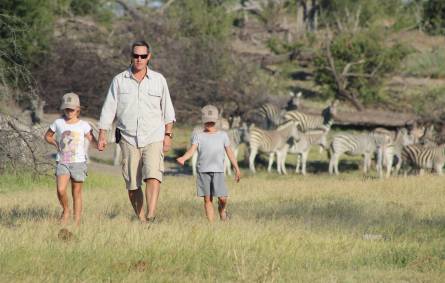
{"x":9,"y":217}
{"x":344,"y":213}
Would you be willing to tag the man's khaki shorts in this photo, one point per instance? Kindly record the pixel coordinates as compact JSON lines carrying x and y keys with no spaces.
{"x":141,"y":163}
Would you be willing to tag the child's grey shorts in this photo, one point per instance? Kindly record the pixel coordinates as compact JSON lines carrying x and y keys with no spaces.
{"x":77,"y":171}
{"x":211,"y":184}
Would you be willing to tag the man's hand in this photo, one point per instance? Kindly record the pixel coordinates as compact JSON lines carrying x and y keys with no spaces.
{"x":167,"y":143}
{"x":180,"y":160}
{"x":102,"y":142}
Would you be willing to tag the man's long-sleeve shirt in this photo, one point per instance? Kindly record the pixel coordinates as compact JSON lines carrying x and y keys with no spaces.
{"x":141,"y":108}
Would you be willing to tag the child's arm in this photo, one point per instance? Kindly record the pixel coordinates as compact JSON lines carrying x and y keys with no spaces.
{"x":91,"y":138}
{"x":50,"y":138}
{"x":232,"y":159}
{"x":181,"y":160}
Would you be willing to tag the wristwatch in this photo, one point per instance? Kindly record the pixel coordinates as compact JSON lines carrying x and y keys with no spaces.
{"x":169,"y":134}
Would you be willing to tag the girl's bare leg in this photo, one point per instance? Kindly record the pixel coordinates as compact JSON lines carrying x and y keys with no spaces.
{"x":77,"y":200}
{"x":222,"y":202}
{"x":62,"y":183}
{"x":208,"y":206}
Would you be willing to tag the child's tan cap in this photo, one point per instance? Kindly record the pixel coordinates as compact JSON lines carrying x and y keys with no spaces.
{"x":70,"y":100}
{"x":209,"y":114}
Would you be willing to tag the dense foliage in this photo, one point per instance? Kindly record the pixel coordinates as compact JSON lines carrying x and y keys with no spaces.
{"x":369,"y":60}
{"x":434,"y":17}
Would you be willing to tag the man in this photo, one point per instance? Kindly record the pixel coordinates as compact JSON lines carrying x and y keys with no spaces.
{"x":140,"y":101}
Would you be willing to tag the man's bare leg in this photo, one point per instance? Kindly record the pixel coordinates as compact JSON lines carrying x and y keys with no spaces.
{"x":222,"y":202}
{"x":76,"y":188}
{"x":152,"y":194}
{"x":208,"y":206}
{"x":137,"y":201}
{"x":62,"y":183}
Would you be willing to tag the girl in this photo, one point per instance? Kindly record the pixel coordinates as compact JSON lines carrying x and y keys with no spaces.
{"x":68,"y":135}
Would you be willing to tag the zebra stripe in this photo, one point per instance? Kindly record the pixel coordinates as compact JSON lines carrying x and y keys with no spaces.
{"x":270,"y":115}
{"x":306,"y":122}
{"x":421,"y":157}
{"x":270,"y":142}
{"x":302,"y":147}
{"x":358,"y":144}
{"x":391,"y":150}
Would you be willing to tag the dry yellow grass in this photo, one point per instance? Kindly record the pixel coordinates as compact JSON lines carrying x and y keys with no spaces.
{"x":298,"y":229}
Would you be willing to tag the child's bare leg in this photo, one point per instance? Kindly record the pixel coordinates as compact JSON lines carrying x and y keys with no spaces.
{"x":208,"y":206}
{"x":77,"y":200}
{"x":62,"y":183}
{"x":222,"y":202}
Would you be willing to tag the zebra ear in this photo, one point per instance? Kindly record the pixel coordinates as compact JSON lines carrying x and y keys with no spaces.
{"x":299,"y":94}
{"x":291,"y":93}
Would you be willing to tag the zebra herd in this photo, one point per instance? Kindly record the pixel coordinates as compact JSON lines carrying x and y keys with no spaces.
{"x":286,"y":132}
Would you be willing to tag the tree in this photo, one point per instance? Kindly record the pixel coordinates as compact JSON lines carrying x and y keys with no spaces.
{"x":351,"y":66}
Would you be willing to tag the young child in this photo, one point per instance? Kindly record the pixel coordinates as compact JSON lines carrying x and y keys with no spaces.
{"x":211,"y":145}
{"x":68,"y":135}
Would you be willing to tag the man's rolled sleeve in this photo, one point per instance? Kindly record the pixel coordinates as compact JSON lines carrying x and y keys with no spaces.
{"x":168,"y":111}
{"x":109,"y":109}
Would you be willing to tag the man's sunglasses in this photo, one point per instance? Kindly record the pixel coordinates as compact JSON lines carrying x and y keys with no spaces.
{"x":143,"y":56}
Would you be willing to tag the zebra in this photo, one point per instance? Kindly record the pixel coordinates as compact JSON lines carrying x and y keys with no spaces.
{"x":424,"y":157}
{"x":429,"y":137}
{"x":354,"y":144}
{"x":236,"y":137}
{"x":270,"y":142}
{"x":301,"y":147}
{"x":222,"y":124}
{"x":312,"y":122}
{"x":388,"y":151}
{"x":270,"y":115}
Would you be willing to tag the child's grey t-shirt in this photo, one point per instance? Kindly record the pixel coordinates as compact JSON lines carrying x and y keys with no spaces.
{"x":211,"y":150}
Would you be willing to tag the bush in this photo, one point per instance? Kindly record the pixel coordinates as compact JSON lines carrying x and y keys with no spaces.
{"x":430,"y":64}
{"x":434,"y":17}
{"x":365,"y":79}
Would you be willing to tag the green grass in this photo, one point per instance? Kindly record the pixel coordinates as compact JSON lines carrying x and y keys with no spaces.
{"x":284,"y":228}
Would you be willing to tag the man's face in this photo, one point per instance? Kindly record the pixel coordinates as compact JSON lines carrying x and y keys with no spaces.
{"x":137,"y":58}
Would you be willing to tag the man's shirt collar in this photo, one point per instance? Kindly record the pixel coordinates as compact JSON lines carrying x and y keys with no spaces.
{"x":128,"y":73}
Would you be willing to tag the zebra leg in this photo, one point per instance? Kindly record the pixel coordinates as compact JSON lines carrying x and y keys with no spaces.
{"x":279,"y":160}
{"x":303,"y":162}
{"x":438,"y":169}
{"x":253,"y":153}
{"x":271,"y":159}
{"x":389,"y":163}
{"x":331,"y":164}
{"x":117,"y":155}
{"x":297,"y":164}
{"x":398,"y":165}
{"x":365,"y":163}
{"x":282,"y":162}
{"x":379,"y":163}
{"x":194,"y":162}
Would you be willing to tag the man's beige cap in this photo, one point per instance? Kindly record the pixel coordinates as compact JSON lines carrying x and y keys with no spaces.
{"x":209,"y":114}
{"x":70,"y":100}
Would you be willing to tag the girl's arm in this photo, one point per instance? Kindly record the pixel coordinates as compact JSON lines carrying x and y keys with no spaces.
{"x":50,"y":138}
{"x":91,"y":138}
{"x":181,"y":160}
{"x":232,"y":159}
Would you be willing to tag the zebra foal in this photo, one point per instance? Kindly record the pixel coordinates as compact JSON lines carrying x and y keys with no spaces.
{"x":393,"y":150}
{"x":301,"y":147}
{"x":270,"y":142}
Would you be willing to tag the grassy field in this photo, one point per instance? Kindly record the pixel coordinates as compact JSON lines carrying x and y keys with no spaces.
{"x":285,"y":229}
